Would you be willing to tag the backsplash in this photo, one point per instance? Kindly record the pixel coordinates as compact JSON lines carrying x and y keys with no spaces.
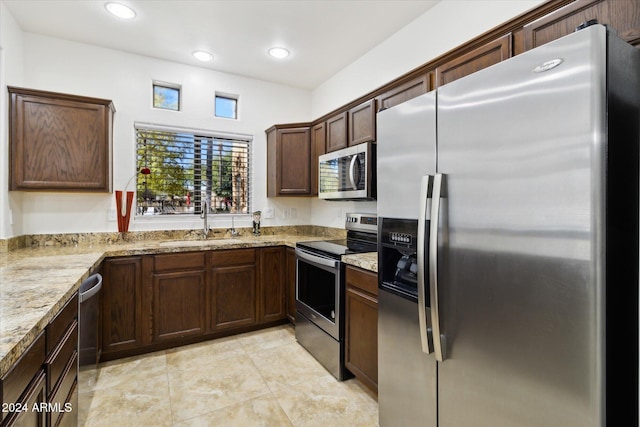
{"x":85,"y":239}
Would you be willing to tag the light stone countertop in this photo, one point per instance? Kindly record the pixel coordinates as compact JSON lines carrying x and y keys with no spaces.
{"x":35,"y":283}
{"x":367,"y":261}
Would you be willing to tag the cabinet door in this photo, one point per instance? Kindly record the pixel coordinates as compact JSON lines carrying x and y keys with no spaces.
{"x":234,"y":296}
{"x":361,"y":332}
{"x":318,"y":148}
{"x":405,"y":91}
{"x":489,"y":54}
{"x":337,"y":132}
{"x":122,"y":318}
{"x":179,"y":305}
{"x":623,"y":16}
{"x":59,"y":141}
{"x":290,"y":289}
{"x":362,"y":123}
{"x":294,"y":159}
{"x":271,"y":299}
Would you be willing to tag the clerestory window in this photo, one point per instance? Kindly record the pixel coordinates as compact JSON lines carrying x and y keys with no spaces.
{"x":189,"y":168}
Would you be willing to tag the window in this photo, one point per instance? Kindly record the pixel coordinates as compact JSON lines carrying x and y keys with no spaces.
{"x":166,"y":96}
{"x":226,"y":106}
{"x":190,"y":168}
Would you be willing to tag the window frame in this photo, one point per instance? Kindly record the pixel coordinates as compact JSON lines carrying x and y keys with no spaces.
{"x":230,"y":96}
{"x":207,"y":133}
{"x":165,"y":85}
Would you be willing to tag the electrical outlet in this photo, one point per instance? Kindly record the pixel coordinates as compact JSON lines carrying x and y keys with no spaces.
{"x":268,"y":213}
{"x":10,"y":216}
{"x":286,"y":213}
{"x":294,"y":213}
{"x":111,"y":214}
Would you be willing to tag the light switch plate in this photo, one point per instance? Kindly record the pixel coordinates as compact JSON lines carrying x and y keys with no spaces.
{"x":111,"y":214}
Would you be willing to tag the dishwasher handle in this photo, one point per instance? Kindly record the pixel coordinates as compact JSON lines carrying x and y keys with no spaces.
{"x":90,"y":287}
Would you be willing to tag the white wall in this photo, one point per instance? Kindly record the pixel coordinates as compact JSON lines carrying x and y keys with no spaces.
{"x":447,"y":25}
{"x":10,"y":74}
{"x":63,"y":66}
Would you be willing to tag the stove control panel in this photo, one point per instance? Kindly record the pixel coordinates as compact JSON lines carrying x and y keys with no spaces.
{"x":362,"y":222}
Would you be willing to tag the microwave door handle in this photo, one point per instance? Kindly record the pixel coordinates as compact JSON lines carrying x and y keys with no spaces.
{"x":423,"y":215}
{"x":352,"y":168}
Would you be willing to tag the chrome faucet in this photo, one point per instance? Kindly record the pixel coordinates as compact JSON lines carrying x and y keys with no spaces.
{"x":234,"y":232}
{"x":204,"y":214}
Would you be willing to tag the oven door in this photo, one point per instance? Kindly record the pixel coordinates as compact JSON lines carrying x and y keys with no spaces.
{"x":318,"y":290}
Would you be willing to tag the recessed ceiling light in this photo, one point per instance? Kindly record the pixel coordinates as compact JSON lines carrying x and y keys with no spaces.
{"x":202,"y":55}
{"x":120,"y":10}
{"x":278,"y":52}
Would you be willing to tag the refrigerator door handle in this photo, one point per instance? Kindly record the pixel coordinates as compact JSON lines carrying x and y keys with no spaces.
{"x":438,"y":184}
{"x":423,"y":215}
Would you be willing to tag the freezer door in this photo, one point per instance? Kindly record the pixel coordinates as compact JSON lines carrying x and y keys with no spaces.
{"x":406,"y":375}
{"x":520,"y":236}
{"x":406,"y":152}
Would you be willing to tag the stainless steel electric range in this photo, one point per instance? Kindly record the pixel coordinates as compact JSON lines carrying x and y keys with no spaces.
{"x":320,"y":291}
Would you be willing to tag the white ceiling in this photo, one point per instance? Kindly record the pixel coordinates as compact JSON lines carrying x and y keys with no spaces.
{"x":323,"y":36}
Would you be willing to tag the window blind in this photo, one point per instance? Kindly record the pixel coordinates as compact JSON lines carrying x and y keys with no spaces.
{"x":190,"y":170}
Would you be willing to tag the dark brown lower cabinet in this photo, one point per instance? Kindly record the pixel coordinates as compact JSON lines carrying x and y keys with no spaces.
{"x":178,"y":295}
{"x":361,"y":349}
{"x":40,"y":388}
{"x":23,"y":386}
{"x":290,"y":289}
{"x":271,"y":298}
{"x":233,"y":288}
{"x":33,"y":395}
{"x":122,"y":310}
{"x":61,"y":365}
{"x":153,"y":302}
{"x":179,"y":304}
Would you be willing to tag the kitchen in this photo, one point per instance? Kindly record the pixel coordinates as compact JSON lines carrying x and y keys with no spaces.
{"x":31,"y":213}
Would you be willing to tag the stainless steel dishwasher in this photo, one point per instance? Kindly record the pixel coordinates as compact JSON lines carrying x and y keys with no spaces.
{"x":90,"y":328}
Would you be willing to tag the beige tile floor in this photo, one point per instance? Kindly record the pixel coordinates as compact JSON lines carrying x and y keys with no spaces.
{"x":262,"y":378}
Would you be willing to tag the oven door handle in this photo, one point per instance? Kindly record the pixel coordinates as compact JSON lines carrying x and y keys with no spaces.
{"x":316,"y":259}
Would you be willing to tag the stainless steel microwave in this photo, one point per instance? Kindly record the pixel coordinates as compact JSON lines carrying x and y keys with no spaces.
{"x":348,"y":174}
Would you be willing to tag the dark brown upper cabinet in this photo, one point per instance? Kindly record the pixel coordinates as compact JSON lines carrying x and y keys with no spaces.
{"x":362,"y":123}
{"x":59,"y":142}
{"x":405,"y":91}
{"x":288,"y":161}
{"x":337,"y":132}
{"x":482,"y":57}
{"x":622,"y":15}
{"x":318,"y":148}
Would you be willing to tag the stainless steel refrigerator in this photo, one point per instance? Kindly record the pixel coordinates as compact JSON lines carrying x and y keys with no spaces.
{"x":508,"y":243}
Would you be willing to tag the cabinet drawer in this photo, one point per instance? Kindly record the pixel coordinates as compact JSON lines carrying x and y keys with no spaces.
{"x":185,"y":261}
{"x":22,"y":372}
{"x":64,"y":391}
{"x":233,"y":257}
{"x":33,"y":395}
{"x":60,"y":324}
{"x":57,"y":360}
{"x":362,"y":279}
{"x":69,"y":419}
